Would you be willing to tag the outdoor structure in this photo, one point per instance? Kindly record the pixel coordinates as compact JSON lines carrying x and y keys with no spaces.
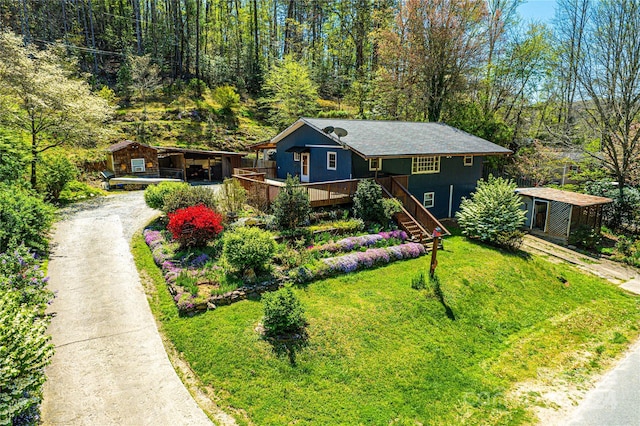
{"x":442,"y":164}
{"x":556,"y":213}
{"x":198,"y":164}
{"x":129,"y":158}
{"x":137,"y":160}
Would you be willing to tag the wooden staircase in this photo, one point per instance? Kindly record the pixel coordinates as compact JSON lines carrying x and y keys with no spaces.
{"x":414,"y":218}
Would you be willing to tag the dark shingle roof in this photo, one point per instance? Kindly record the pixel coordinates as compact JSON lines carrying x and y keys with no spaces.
{"x":401,"y":138}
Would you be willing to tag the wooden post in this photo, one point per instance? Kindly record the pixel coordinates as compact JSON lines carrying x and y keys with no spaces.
{"x":434,"y":251}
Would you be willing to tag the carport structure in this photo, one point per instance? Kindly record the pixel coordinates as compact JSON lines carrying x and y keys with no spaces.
{"x":556,"y":213}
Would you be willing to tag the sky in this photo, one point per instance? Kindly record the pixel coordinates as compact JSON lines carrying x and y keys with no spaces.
{"x":537,"y":10}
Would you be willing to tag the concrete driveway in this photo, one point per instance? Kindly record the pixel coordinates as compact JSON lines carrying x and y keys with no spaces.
{"x":110,"y":366}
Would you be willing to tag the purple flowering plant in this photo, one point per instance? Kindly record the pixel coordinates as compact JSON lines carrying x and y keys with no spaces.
{"x":20,"y":273}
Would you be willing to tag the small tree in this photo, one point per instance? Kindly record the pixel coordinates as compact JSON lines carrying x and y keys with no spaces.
{"x":290,"y":92}
{"x":493,"y":214}
{"x":145,"y":77}
{"x":283,"y":313}
{"x":194,"y":226}
{"x":292,"y":206}
{"x":227,"y":97}
{"x":232,"y":196}
{"x":248,"y":248}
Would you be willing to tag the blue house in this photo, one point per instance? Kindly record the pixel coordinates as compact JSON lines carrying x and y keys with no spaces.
{"x":439,"y":164}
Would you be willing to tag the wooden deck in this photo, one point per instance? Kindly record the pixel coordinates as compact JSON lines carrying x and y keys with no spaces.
{"x":263,"y":190}
{"x":415,"y":219}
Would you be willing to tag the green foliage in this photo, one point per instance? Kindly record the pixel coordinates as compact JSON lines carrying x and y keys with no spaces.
{"x":25,"y":352}
{"x":12,"y":164}
{"x":196,"y":87}
{"x":290,"y":92}
{"x":625,"y":209}
{"x":585,"y":236}
{"x":24,"y":349}
{"x":124,"y":79}
{"x":419,"y":282}
{"x":21,"y":275}
{"x":231,"y":196}
{"x":493,"y":213}
{"x":76,"y":191}
{"x":187,"y":196}
{"x":155,"y":195}
{"x":107,"y":94}
{"x":43,"y":98}
{"x":56,"y":173}
{"x":24,"y":218}
{"x":292,"y":206}
{"x":227,"y":97}
{"x":248,"y":248}
{"x":370,"y":206}
{"x":628,"y":251}
{"x":283,"y":313}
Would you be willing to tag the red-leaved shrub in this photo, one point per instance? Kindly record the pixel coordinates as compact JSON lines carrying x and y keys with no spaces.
{"x":194,"y":226}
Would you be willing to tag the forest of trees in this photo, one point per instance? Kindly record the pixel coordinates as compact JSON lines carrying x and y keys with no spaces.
{"x":474,"y":64}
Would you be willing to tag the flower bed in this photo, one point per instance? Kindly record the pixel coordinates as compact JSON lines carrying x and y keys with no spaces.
{"x":355,"y":261}
{"x":185,"y":300}
{"x":353,"y":243}
{"x":186,"y":277}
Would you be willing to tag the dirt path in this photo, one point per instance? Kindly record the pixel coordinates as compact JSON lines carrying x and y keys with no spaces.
{"x":110,"y":366}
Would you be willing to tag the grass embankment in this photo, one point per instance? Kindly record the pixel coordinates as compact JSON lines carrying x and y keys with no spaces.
{"x":382,"y":353}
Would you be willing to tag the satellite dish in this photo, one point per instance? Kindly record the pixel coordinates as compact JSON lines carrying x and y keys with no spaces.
{"x":328,"y":129}
{"x":340,"y":132}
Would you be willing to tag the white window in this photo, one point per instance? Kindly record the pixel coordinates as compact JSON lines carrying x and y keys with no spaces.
{"x":429,"y":199}
{"x":468,"y":160}
{"x":375,"y":164}
{"x":137,"y":165}
{"x":296,"y":156}
{"x":425,"y":165}
{"x":332,"y":160}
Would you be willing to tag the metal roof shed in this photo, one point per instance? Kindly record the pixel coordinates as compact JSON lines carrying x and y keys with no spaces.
{"x":557,"y":213}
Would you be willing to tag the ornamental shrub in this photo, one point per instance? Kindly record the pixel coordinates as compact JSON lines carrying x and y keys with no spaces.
{"x":24,"y":218}
{"x":20,"y":274}
{"x":56,"y":173}
{"x":493,"y":214}
{"x":369,"y":204}
{"x":194,"y":226}
{"x":283,"y":313}
{"x":188,"y":196}
{"x":247,"y":248}
{"x":154,"y":195}
{"x":292,"y":206}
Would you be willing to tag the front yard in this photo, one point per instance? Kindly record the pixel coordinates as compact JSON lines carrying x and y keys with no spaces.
{"x":380,"y":352}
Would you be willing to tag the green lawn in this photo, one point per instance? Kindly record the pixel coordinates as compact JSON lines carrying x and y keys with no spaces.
{"x":382,"y":353}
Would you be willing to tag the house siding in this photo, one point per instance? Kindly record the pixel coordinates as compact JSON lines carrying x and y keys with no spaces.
{"x":121,"y":160}
{"x":452,"y":172}
{"x":317,"y":156}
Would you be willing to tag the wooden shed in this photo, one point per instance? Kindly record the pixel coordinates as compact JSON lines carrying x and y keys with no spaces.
{"x":556,"y":213}
{"x":198,"y":164}
{"x":129,"y":158}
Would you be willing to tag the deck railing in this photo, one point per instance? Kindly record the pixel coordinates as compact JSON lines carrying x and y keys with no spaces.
{"x":268,"y":172}
{"x":396,"y":186}
{"x":262,"y":192}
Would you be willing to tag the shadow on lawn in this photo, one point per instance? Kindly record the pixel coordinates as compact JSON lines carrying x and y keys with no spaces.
{"x":437,"y":290}
{"x":289,"y":345}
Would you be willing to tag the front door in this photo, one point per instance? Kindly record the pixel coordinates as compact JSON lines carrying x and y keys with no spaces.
{"x":304,"y":167}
